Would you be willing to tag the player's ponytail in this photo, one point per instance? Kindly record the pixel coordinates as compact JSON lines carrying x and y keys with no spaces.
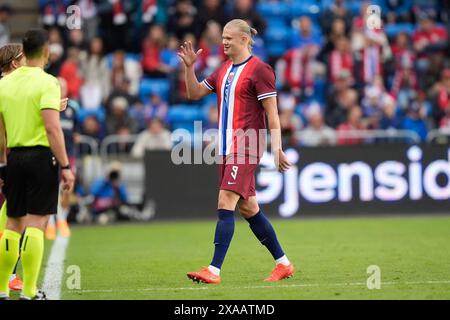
{"x":253,"y":34}
{"x":244,"y":27}
{"x":9,"y":53}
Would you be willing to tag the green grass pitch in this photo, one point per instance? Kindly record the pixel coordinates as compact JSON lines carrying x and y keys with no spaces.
{"x":150,"y":261}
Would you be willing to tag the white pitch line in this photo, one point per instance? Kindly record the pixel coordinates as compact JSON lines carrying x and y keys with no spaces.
{"x":55,"y":269}
{"x":428,"y":282}
{"x":268,"y":287}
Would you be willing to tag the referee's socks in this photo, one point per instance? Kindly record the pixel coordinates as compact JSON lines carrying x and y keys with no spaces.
{"x":9,"y":253}
{"x":32,"y":251}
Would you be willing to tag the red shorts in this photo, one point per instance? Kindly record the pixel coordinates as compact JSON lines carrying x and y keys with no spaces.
{"x":237,"y":174}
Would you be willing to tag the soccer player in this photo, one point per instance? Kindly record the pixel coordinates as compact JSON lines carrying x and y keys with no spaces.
{"x":30,"y":105}
{"x":245,"y":88}
{"x":11,"y":58}
{"x":70,"y":127}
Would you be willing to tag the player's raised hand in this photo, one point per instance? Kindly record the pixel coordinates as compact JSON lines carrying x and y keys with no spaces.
{"x":187,"y":53}
{"x":281,"y":161}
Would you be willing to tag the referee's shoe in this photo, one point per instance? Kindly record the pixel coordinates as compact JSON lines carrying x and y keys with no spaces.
{"x":40,"y":295}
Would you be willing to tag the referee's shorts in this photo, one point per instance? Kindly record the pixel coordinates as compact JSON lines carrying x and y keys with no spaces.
{"x":31,"y":182}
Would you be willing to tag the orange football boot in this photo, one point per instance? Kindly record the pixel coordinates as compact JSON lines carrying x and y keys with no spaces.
{"x":16,"y":284}
{"x":204,"y":275}
{"x":281,"y":272}
{"x":63,"y":228}
{"x":50,"y":232}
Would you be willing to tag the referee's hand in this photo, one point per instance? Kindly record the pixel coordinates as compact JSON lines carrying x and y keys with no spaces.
{"x":63,"y":104}
{"x":68,"y":179}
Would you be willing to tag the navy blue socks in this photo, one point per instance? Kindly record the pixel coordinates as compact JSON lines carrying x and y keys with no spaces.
{"x":223,"y":236}
{"x":263,"y":230}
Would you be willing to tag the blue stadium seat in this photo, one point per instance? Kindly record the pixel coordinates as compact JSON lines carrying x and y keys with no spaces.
{"x":276,"y":22}
{"x":405,"y":6}
{"x":277,"y":33}
{"x":320,"y":90}
{"x":209,"y":99}
{"x":273,"y":9}
{"x":392,"y":29}
{"x":183,"y":116}
{"x":277,"y":49}
{"x":278,"y":84}
{"x":352,"y":5}
{"x":109,"y":59}
{"x":189,"y":126}
{"x":305,"y":8}
{"x":277,"y":39}
{"x":185,"y":113}
{"x":150,"y":86}
{"x":293,"y":34}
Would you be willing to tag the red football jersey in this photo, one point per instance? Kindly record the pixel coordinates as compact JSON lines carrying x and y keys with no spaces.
{"x":240,"y":90}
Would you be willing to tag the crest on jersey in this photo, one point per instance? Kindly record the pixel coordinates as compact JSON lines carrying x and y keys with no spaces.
{"x":230,"y":77}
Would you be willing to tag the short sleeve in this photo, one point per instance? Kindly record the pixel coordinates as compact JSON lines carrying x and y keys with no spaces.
{"x":51,"y":94}
{"x":210,"y":82}
{"x":264,"y":80}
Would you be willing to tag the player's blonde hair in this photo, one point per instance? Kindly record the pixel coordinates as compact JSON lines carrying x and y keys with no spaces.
{"x":245,"y":28}
{"x":9,"y":53}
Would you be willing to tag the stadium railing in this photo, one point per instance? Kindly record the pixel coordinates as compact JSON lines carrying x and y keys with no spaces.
{"x":89,"y":165}
{"x":439,"y":135}
{"x":371,"y":136}
{"x":90,"y":142}
{"x":114,"y":144}
{"x":106,"y":147}
{"x":118,"y":147}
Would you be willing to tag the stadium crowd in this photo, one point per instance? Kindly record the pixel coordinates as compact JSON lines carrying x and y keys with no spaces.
{"x":333,"y":72}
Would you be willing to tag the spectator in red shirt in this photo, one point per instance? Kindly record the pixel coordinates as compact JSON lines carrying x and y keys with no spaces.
{"x":441,"y":97}
{"x":152,"y":46}
{"x":429,"y":40}
{"x":70,"y":71}
{"x":297,"y":70}
{"x":429,"y":37}
{"x":354,"y":122}
{"x":341,"y":59}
